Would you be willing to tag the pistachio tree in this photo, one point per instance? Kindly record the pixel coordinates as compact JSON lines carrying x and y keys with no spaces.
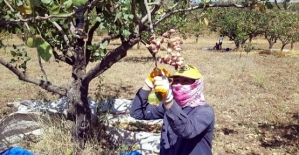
{"x":270,"y":30}
{"x":239,"y":25}
{"x":196,"y":24}
{"x":288,"y":30}
{"x":49,"y":27}
{"x":224,"y":21}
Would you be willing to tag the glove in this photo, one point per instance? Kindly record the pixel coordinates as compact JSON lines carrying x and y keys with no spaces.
{"x":156,"y":72}
{"x":161,"y":85}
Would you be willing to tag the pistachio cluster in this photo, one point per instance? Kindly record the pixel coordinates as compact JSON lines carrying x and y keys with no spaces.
{"x":174,"y":48}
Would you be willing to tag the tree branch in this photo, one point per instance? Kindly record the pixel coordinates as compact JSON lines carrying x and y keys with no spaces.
{"x":200,"y":6}
{"x":89,"y":41}
{"x":18,"y":15}
{"x":66,"y":39}
{"x":156,"y":8}
{"x":41,"y":66}
{"x":164,"y":13}
{"x":140,"y":26}
{"x":72,"y":28}
{"x":135,"y":18}
{"x":11,"y":8}
{"x":63,"y":58}
{"x":111,"y":58}
{"x":149,"y":16}
{"x":43,"y":84}
{"x":90,"y":5}
{"x":108,"y":38}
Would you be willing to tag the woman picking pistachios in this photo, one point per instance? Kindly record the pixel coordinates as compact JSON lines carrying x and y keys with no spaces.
{"x":188,"y":121}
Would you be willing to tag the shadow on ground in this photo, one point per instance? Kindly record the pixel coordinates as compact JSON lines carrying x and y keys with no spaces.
{"x":281,"y":135}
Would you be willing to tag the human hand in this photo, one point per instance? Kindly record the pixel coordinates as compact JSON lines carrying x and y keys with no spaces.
{"x":155,"y":72}
{"x":162,"y":86}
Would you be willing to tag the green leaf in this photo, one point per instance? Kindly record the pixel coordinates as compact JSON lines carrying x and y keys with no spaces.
{"x":20,"y":3}
{"x":45,"y":51}
{"x":90,"y":47}
{"x":99,"y":19}
{"x":23,"y":65}
{"x":131,"y":16}
{"x":79,"y":2}
{"x":13,"y":60}
{"x":1,"y":1}
{"x":46,"y":1}
{"x":102,"y":52}
{"x":38,"y":40}
{"x":102,"y":26}
{"x":126,"y":33}
{"x":13,"y":53}
{"x":124,"y":8}
{"x":104,"y":45}
{"x":117,"y":16}
{"x":27,"y":58}
{"x":68,"y":3}
{"x":269,"y":5}
{"x":35,"y":2}
{"x":126,"y":16}
{"x":96,"y":54}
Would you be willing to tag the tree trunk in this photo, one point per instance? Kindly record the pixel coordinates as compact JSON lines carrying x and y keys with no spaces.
{"x":271,"y":41}
{"x":79,"y":110}
{"x":292,"y":45}
{"x":242,"y":43}
{"x":138,"y":45}
{"x":250,"y":38}
{"x":237,"y":44}
{"x":271,"y":46}
{"x":283,"y":46}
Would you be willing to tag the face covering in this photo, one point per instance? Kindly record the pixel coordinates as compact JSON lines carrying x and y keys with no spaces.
{"x":189,"y":95}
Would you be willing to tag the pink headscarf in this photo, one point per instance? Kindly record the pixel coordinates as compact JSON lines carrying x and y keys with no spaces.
{"x":189,"y":95}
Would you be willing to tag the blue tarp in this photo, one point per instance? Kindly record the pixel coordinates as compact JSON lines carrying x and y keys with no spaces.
{"x":132,"y":153}
{"x":21,"y":151}
{"x":16,"y":151}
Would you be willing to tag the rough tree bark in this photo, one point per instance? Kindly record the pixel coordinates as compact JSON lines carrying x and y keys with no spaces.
{"x":271,"y":40}
{"x":79,"y":110}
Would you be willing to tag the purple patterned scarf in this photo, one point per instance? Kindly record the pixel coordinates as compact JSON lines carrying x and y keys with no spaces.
{"x":189,"y":95}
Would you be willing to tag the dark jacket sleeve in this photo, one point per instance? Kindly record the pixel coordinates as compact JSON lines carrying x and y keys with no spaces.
{"x":142,"y":110}
{"x":189,"y":126}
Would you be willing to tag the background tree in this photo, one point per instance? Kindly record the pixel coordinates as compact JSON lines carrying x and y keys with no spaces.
{"x":240,"y":25}
{"x":230,"y":22}
{"x":196,"y":24}
{"x":271,"y":32}
{"x":287,"y":29}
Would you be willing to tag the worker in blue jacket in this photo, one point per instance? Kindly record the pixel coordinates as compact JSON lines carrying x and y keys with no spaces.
{"x":188,"y":121}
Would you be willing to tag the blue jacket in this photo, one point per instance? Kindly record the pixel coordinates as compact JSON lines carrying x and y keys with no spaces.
{"x":185,"y":131}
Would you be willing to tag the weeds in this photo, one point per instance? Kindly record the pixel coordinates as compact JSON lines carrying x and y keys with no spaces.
{"x":56,"y":139}
{"x":259,"y":80}
{"x":42,"y":96}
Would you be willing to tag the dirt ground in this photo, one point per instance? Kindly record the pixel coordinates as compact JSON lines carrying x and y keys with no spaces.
{"x":255,"y":97}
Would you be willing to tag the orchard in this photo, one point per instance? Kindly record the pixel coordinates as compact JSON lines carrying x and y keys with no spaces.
{"x":51,"y":27}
